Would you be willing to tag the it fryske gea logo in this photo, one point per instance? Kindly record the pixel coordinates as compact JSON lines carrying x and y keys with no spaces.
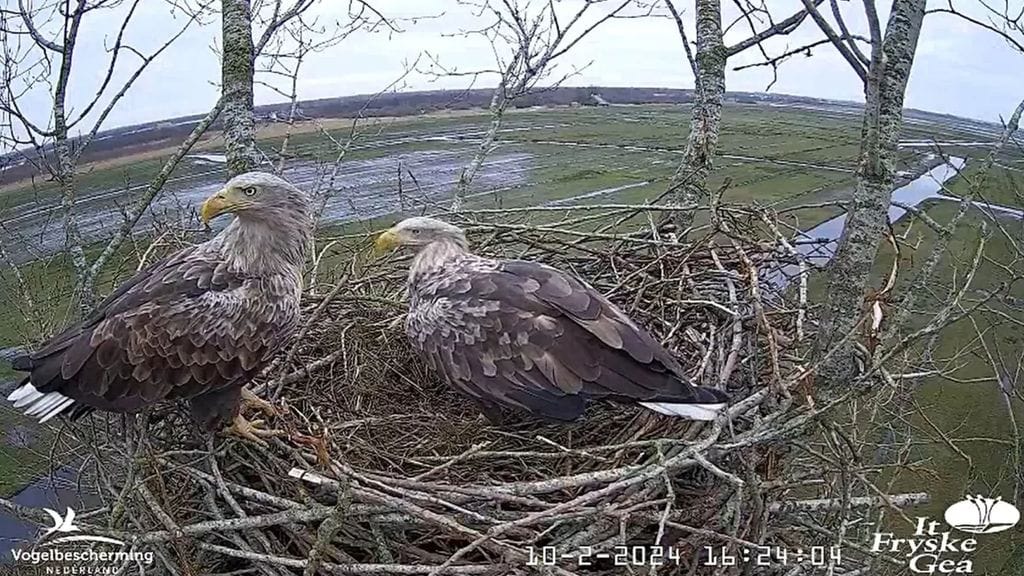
{"x":980,"y":515}
{"x":65,"y":549}
{"x":931,"y":549}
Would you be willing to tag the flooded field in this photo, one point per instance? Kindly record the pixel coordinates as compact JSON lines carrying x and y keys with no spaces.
{"x":541,"y":156}
{"x":364,"y":188}
{"x":772,"y":155}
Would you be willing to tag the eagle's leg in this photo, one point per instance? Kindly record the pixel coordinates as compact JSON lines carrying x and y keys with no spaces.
{"x":216,"y":408}
{"x":251,"y":430}
{"x":491,"y":413}
{"x":251,"y":400}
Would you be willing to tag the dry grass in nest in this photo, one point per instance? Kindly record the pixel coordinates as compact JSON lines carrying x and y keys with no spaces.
{"x":385,"y":410}
{"x":386,"y":470}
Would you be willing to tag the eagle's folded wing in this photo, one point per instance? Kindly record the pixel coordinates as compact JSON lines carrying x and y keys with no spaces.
{"x":529,"y":336}
{"x":177,"y":329}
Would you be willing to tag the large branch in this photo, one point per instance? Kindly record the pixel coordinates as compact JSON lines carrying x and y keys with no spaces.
{"x":689,"y":182}
{"x":781,"y":28}
{"x":852,"y":266}
{"x":873,"y":24}
{"x":836,"y":40}
{"x":36,"y":36}
{"x":154,"y":188}
{"x":237,"y":68}
{"x":65,"y":171}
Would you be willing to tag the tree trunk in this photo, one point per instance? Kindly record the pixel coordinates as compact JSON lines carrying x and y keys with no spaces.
{"x":691,"y":178}
{"x":514,"y":79}
{"x":66,"y":165}
{"x":499,"y":101}
{"x":236,"y":87}
{"x":866,"y":221}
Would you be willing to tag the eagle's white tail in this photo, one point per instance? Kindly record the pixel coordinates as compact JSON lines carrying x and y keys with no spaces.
{"x":38,"y":405}
{"x":691,"y":411}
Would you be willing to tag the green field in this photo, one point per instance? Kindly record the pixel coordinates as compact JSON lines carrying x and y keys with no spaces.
{"x":771,"y":155}
{"x":573,"y":151}
{"x":974,"y":452}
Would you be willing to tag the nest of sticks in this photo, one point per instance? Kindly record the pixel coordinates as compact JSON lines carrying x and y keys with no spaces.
{"x":385,"y":470}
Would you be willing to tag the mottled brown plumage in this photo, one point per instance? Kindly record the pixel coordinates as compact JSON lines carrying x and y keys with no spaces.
{"x":525,"y":335}
{"x":197,"y":325}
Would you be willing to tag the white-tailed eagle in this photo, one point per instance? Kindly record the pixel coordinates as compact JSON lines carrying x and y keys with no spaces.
{"x":195,"y":326}
{"x":523,"y":335}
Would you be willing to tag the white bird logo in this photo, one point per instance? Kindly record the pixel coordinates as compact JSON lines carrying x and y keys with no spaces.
{"x":66,"y":525}
{"x":61,"y":524}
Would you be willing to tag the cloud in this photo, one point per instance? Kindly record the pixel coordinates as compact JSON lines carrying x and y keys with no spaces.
{"x":959,"y":68}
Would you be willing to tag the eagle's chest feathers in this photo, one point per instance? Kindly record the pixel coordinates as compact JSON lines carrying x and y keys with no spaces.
{"x":266,"y":300}
{"x":442,"y":301}
{"x":273,"y":297}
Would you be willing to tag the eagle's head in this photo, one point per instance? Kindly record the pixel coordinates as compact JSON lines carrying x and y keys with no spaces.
{"x":419,"y":232}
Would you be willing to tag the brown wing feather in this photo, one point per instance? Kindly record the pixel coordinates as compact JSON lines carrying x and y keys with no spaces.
{"x":531,"y":337}
{"x":174,"y":330}
{"x":587,"y":307}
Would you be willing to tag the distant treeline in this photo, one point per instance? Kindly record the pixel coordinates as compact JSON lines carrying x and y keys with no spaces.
{"x":162,"y":133}
{"x":393,"y":104}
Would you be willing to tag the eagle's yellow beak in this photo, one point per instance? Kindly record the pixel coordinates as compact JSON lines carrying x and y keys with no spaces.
{"x":215,"y":206}
{"x":388,"y":240}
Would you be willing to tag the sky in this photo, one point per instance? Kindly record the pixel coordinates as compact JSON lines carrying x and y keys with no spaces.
{"x":960,"y":69}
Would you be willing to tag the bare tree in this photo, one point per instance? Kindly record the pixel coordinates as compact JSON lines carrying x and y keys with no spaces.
{"x":527,"y":38}
{"x":885,"y":74}
{"x":38,"y":44}
{"x":919,"y":285}
{"x":708,"y":62}
{"x":37,"y":47}
{"x":280,"y":65}
{"x":286,"y":62}
{"x":236,"y":86}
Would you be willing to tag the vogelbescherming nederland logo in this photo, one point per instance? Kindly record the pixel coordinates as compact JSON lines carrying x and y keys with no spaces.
{"x":60,"y":550}
{"x":982,"y":515}
{"x":66,"y":525}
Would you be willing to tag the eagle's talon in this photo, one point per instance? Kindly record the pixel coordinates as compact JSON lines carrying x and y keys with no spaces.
{"x":251,"y":400}
{"x":251,"y":431}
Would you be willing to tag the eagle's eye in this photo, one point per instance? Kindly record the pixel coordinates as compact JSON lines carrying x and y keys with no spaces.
{"x":415,"y":231}
{"x":249,"y":191}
